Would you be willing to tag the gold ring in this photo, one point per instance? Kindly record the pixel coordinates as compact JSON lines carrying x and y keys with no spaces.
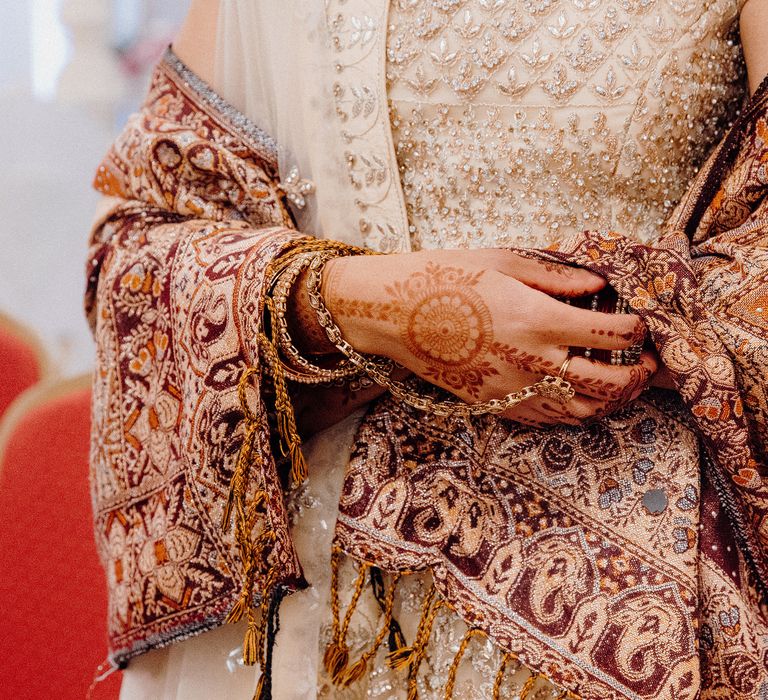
{"x":555,"y":389}
{"x":564,"y":366}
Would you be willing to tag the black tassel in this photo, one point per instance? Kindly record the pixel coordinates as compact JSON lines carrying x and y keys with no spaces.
{"x":264,"y":691}
{"x":396,"y":639}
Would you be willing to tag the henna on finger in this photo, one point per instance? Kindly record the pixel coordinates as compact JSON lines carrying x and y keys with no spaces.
{"x":598,"y":379}
{"x":634,"y":337}
{"x":538,"y":273}
{"x":580,"y":410}
{"x":515,"y":357}
{"x":640,"y":376}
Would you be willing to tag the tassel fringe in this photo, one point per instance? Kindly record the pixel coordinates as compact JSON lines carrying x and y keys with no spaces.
{"x":290,"y":441}
{"x":251,"y":643}
{"x":355,"y":672}
{"x":344,"y":672}
{"x":337,"y":654}
{"x":449,"y":686}
{"x":336,"y":658}
{"x":254,"y":550}
{"x":407,"y":656}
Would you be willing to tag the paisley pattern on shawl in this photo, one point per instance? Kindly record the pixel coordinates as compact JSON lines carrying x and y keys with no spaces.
{"x":618,"y":557}
{"x":175,"y":281}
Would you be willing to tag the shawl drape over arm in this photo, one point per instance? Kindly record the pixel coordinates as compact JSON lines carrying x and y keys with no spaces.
{"x":176,"y":276}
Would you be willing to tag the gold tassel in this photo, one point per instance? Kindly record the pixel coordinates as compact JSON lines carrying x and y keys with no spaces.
{"x":355,"y":672}
{"x":500,"y":675}
{"x":238,"y":483}
{"x":336,"y":656}
{"x":253,"y":553}
{"x":335,"y":659}
{"x":529,"y":684}
{"x":403,"y":657}
{"x":237,"y":487}
{"x":449,"y":686}
{"x":251,"y":643}
{"x":238,"y":611}
{"x":420,"y":646}
{"x":286,"y":417}
{"x":299,"y":468}
{"x":400,"y":658}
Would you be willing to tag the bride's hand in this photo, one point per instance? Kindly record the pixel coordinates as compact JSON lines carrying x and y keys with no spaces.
{"x":484,"y":323}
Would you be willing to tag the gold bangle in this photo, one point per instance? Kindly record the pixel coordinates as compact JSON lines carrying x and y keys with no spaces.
{"x":300,"y":369}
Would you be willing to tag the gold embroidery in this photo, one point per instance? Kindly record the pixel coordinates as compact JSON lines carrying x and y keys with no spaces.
{"x":518,"y":122}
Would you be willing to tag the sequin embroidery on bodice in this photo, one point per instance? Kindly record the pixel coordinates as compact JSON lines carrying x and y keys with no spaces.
{"x":518,"y":121}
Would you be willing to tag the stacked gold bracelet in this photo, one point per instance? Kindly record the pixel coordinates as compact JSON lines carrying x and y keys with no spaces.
{"x":298,"y":368}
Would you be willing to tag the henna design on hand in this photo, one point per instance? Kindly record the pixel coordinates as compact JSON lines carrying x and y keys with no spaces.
{"x":442,"y":321}
{"x":446,"y":324}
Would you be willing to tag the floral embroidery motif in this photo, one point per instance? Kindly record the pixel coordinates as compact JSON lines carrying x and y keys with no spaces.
{"x":516,"y":123}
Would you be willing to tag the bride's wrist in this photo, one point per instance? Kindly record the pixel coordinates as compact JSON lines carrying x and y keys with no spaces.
{"x":303,"y":323}
{"x":345,"y":281}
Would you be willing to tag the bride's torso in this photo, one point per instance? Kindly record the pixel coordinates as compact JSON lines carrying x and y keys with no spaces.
{"x":517,"y":121}
{"x":433,"y":123}
{"x":510,"y":122}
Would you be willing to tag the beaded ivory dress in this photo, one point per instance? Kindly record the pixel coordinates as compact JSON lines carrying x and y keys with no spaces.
{"x":514,"y":122}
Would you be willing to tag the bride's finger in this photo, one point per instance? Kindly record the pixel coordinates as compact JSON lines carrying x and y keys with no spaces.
{"x":528,"y":415}
{"x":564,"y":324}
{"x":553,"y":278}
{"x":575,"y":412}
{"x":613,"y":383}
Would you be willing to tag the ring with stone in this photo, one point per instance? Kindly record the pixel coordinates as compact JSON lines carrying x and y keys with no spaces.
{"x":557,"y":388}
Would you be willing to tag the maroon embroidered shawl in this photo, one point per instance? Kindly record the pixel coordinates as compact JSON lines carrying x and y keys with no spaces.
{"x":175,"y":282}
{"x":596,"y":553}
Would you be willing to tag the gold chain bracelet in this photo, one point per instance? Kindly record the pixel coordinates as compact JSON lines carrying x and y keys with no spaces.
{"x":301,"y":370}
{"x":547,"y":387}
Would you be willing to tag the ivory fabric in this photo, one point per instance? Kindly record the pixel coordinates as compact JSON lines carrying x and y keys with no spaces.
{"x":711,"y":597}
{"x":518,"y":123}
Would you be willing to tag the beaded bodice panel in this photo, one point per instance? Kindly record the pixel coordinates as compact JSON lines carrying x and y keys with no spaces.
{"x":518,"y":121}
